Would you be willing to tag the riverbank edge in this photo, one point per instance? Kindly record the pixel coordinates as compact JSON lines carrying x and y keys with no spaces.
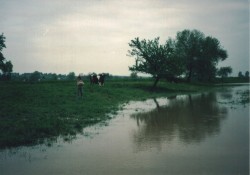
{"x":39,"y":113}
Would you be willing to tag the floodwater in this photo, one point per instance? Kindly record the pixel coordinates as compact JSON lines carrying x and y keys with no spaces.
{"x":198,"y":134}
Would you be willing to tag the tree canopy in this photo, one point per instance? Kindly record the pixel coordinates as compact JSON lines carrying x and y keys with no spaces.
{"x":247,"y":74}
{"x":5,"y":66}
{"x":224,"y":71}
{"x":200,"y":54}
{"x":191,"y":54}
{"x":154,"y":58}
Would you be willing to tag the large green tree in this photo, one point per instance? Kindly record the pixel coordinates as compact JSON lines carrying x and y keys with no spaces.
{"x":200,"y":54}
{"x":154,"y":58}
{"x":223,"y":72}
{"x":5,"y":66}
{"x":189,"y":46}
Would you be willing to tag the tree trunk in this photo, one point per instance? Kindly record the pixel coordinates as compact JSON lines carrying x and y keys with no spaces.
{"x":155,"y":83}
{"x":189,"y":75}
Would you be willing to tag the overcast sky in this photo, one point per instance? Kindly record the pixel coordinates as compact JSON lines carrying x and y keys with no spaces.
{"x":61,"y":36}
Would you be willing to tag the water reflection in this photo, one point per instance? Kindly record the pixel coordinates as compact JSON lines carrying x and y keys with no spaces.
{"x":187,"y":134}
{"x":226,"y":94}
{"x":189,"y":118}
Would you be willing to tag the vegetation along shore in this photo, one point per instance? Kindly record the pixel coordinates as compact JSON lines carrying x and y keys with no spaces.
{"x":32,"y":113}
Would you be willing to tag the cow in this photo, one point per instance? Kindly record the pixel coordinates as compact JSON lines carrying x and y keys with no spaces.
{"x":101,"y":79}
{"x":93,"y":79}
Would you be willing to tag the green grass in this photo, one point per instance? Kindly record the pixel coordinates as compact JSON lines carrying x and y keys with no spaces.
{"x":32,"y":113}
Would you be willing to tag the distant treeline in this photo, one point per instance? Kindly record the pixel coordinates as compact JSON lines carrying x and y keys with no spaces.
{"x":37,"y":76}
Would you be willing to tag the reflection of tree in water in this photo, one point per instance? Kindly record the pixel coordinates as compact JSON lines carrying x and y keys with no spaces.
{"x":235,"y":96}
{"x":191,"y":119}
{"x":226,"y":94}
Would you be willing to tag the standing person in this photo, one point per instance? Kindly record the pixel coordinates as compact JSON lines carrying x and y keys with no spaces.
{"x":80,"y":84}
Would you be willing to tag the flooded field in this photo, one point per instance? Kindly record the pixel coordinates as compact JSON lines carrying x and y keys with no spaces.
{"x":198,"y":134}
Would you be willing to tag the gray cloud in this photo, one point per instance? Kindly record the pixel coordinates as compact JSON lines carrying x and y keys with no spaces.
{"x":72,"y":35}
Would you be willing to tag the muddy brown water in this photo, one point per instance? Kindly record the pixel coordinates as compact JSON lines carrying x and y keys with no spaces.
{"x":203,"y":134}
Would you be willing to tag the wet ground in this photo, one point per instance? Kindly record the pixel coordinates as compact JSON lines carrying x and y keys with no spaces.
{"x":203,"y":134}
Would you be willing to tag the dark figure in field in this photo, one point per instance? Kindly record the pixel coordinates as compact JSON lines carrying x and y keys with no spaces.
{"x":101,"y":79}
{"x":93,"y":79}
{"x":80,"y":84}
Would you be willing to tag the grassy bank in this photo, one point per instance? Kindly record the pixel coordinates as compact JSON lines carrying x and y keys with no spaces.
{"x":31,"y":113}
